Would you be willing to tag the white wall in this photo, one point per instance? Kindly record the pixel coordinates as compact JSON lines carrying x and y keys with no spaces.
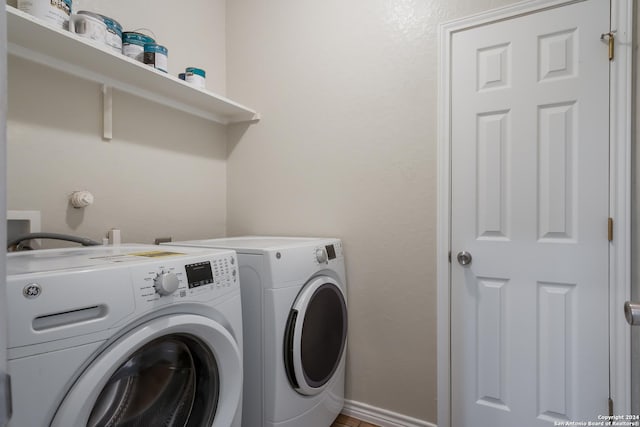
{"x":164,"y":173}
{"x":347,"y":148}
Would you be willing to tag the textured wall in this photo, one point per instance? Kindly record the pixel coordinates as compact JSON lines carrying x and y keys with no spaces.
{"x":347,"y":148}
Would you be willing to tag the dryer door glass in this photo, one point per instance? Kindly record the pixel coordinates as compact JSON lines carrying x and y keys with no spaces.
{"x":319,"y":319}
{"x":171,"y":381}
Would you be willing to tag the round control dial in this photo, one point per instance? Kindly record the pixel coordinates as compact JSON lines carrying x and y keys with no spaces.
{"x":166,"y":283}
{"x":321,"y":255}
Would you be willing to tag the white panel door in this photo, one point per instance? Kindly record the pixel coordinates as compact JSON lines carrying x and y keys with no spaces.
{"x":3,"y":216}
{"x":530,"y":194}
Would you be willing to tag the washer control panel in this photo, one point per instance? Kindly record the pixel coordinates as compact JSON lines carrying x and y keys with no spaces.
{"x":197,"y":280}
{"x":199,"y":274}
{"x":166,"y":283}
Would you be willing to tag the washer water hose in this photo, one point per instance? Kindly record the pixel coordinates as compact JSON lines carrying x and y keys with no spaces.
{"x":54,"y":236}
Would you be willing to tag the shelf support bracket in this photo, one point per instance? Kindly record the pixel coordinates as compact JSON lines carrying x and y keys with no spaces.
{"x":107,"y":113}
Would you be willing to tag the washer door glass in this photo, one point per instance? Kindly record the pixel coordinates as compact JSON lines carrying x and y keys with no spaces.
{"x":316,"y":335}
{"x":161,"y":384}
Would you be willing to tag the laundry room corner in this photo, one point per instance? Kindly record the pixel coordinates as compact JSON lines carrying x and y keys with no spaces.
{"x":375,"y":151}
{"x":346,"y":147}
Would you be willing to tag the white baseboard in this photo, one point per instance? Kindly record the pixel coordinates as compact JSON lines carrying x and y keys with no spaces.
{"x":381,"y":417}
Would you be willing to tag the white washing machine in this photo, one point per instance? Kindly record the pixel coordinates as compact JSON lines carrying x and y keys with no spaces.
{"x":295,"y":328}
{"x":124,"y":336}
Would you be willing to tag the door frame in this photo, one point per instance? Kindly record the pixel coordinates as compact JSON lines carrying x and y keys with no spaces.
{"x":5,"y":383}
{"x":619,"y":187}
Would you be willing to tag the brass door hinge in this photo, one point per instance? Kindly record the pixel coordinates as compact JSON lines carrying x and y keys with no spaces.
{"x":610,"y":229}
{"x":611,"y":40}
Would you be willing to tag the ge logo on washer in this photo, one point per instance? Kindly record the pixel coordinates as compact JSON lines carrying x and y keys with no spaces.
{"x":32,"y":290}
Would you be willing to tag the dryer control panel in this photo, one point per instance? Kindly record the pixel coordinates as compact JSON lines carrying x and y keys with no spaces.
{"x":326,"y":253}
{"x":198,"y":281}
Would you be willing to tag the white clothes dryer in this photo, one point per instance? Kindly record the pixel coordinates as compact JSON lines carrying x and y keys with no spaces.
{"x":294,"y":301}
{"x":123,"y":336}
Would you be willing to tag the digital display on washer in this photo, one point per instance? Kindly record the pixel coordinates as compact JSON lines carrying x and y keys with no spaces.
{"x":199,"y":274}
{"x":331,"y":251}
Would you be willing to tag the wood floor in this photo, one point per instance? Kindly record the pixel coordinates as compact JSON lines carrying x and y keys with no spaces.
{"x":344,"y":421}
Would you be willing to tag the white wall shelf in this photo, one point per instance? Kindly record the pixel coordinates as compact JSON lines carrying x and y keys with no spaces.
{"x":31,"y":39}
